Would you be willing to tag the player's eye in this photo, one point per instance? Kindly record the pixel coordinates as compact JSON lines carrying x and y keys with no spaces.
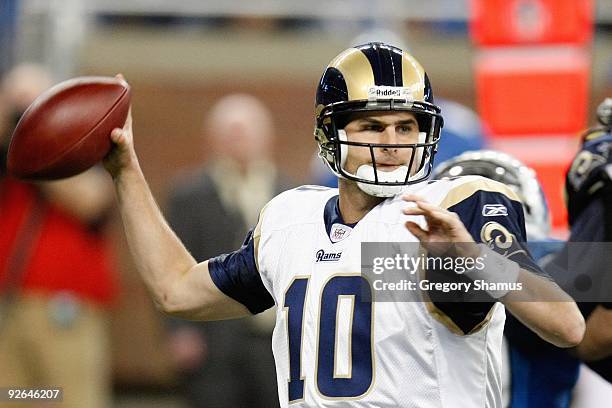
{"x":405,"y":129}
{"x":371,"y":127}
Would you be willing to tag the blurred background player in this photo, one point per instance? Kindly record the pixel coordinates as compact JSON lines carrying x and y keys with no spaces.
{"x":56,"y":278}
{"x":589,"y":202}
{"x":226,"y":363}
{"x":540,"y":375}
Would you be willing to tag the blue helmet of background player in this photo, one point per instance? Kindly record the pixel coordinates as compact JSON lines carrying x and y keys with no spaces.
{"x":590,"y":175}
{"x":376,"y":77}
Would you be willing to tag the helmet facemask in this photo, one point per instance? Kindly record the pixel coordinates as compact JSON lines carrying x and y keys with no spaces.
{"x":334,"y":145}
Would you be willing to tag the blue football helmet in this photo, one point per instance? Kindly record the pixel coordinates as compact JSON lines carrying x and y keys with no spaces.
{"x":376,"y":77}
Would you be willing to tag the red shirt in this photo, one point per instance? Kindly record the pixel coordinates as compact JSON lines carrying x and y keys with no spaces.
{"x":62,"y":255}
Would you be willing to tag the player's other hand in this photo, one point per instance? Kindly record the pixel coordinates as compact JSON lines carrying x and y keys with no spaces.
{"x":122,"y":156}
{"x":445,"y":233}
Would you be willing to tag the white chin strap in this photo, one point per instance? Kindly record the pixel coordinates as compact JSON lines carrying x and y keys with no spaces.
{"x":366,"y":172}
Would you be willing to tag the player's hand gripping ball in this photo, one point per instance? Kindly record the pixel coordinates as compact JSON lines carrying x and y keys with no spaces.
{"x":66,"y":130}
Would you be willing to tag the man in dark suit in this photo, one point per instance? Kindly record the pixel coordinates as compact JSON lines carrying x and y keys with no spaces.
{"x":226,"y":363}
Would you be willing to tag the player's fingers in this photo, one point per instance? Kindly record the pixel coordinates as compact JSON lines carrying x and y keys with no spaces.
{"x":432,"y":213}
{"x":117,"y":136}
{"x":128,"y":121}
{"x":412,"y":198}
{"x":421,"y":203}
{"x":438,"y":212}
{"x":443,"y":219}
{"x":428,"y":207}
{"x":416,"y":230}
{"x":414,"y":211}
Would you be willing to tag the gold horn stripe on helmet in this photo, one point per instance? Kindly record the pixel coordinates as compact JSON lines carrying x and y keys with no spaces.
{"x":357,"y":72}
{"x":413,"y":73}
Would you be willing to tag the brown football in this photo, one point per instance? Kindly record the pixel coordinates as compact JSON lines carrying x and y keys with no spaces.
{"x":66,"y":130}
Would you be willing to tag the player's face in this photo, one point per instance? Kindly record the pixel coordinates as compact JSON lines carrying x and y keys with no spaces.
{"x":385,"y":128}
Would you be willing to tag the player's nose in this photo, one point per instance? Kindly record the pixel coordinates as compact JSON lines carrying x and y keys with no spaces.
{"x":389,"y":136}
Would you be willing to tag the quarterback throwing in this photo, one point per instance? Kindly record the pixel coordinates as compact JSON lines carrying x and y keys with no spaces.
{"x":335,"y":343}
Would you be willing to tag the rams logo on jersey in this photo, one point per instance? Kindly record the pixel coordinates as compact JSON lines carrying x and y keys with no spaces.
{"x":322,"y":256}
{"x":498,"y":238}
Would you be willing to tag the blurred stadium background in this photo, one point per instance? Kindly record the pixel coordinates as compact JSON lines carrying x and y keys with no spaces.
{"x":181,"y":56}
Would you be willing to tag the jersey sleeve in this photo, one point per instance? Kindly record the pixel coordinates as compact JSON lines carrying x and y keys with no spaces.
{"x":236,"y":274}
{"x":493,"y":215}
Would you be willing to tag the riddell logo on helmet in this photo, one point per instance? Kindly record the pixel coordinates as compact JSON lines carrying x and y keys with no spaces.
{"x":391,"y":92}
{"x":387,"y":92}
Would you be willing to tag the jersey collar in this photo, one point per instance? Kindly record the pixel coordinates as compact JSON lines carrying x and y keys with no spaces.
{"x":336,"y":228}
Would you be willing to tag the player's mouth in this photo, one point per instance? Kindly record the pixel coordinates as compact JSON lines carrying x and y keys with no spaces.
{"x":387,"y":166}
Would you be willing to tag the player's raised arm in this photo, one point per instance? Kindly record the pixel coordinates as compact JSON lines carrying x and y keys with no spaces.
{"x":178,"y":284}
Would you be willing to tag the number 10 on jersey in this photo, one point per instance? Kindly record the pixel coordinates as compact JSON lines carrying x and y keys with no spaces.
{"x":328,"y":383}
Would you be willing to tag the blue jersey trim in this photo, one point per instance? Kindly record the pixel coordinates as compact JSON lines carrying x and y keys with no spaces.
{"x":236,"y":275}
{"x":471,"y":211}
{"x":468,"y":315}
{"x":331,"y":215}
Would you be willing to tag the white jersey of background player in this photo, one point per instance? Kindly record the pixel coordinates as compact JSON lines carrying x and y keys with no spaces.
{"x":377,"y":129}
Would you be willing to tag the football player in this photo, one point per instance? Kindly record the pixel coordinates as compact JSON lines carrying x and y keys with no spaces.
{"x":588,"y":188}
{"x":377,"y":128}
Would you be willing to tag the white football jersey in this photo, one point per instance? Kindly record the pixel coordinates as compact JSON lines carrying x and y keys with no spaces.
{"x":334,"y":349}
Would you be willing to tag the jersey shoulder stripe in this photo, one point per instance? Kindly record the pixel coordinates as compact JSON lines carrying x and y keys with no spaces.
{"x":461,"y":188}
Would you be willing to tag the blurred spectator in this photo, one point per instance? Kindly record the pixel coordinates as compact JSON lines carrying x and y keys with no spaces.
{"x":228,"y":363}
{"x":56,"y":279}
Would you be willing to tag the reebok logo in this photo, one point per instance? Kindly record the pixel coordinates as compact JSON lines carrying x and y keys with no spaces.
{"x":322,"y":256}
{"x":494,"y":210}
